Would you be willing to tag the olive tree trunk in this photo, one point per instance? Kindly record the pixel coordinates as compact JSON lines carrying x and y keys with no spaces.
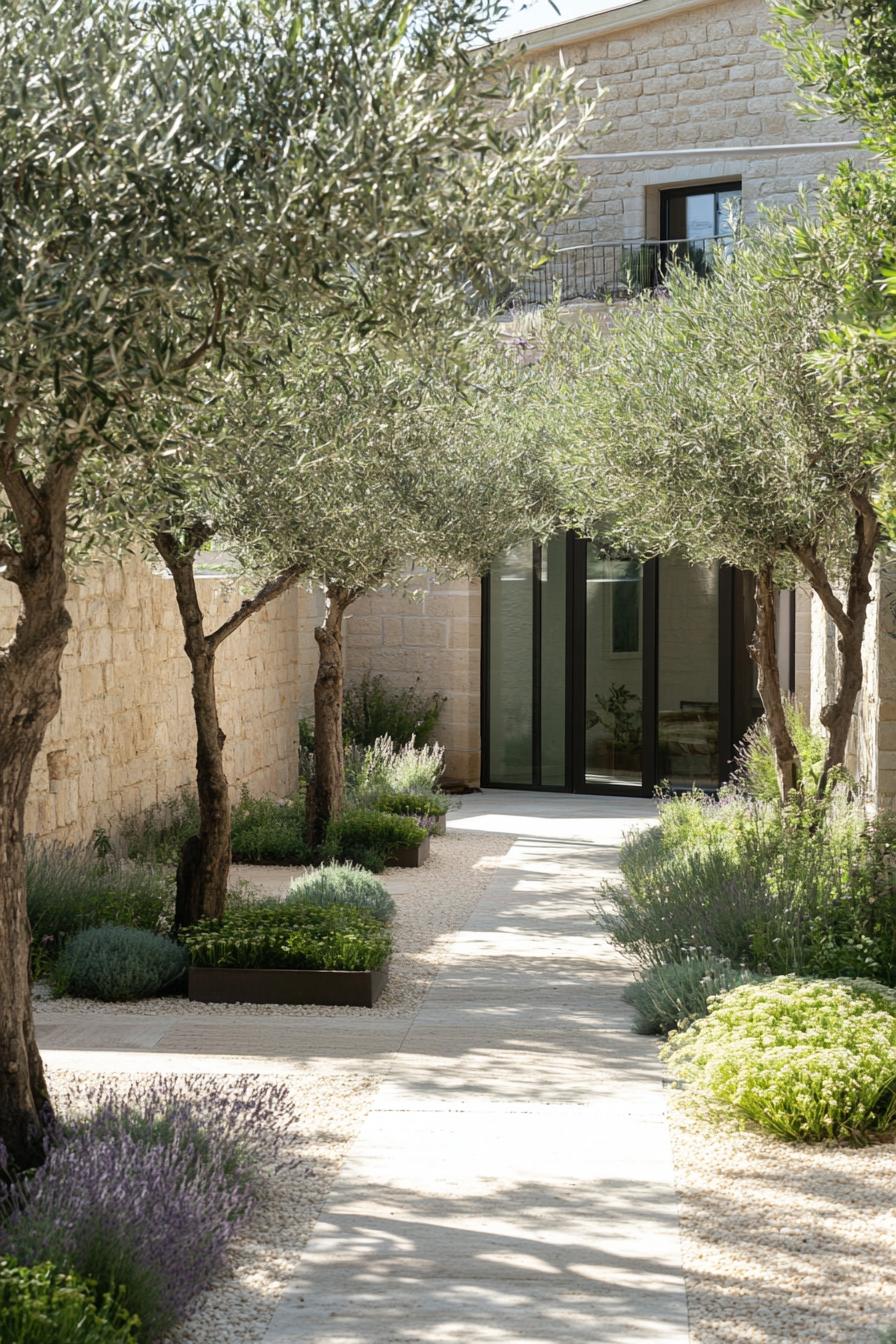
{"x":204,"y":868}
{"x":849,"y":617}
{"x":764,"y":651}
{"x":30,"y":692}
{"x":327,"y":789}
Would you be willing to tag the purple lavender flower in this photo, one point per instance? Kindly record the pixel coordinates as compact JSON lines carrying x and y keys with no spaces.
{"x":144,"y":1188}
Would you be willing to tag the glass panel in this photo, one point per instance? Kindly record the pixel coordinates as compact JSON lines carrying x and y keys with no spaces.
{"x":700,"y":215}
{"x":688,"y":674}
{"x":553,"y":662}
{"x":614,"y":616}
{"x":510,"y":667}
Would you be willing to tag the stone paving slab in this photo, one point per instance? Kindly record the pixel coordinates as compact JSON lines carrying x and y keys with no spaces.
{"x":513,"y":1181}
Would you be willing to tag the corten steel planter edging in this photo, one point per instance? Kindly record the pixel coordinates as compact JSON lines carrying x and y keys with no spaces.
{"x":410,"y":856}
{"x":257,"y":984}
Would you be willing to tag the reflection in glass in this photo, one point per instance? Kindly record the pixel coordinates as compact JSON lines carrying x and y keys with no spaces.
{"x":510,"y":667}
{"x":613,"y":669}
{"x":688,"y":674}
{"x":552,"y":573}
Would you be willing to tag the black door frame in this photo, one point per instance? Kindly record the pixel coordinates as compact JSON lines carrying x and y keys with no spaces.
{"x":730,"y":731}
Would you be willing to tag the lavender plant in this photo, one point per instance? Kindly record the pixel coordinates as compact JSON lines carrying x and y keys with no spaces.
{"x":143,"y":1189}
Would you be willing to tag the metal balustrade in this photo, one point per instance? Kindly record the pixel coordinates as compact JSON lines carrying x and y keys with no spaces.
{"x":606,"y":271}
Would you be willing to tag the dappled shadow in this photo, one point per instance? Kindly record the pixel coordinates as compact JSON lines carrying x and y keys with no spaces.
{"x":785,"y":1242}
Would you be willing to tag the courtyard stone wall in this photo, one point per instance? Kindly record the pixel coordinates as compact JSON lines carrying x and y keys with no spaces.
{"x":124,"y":738}
{"x":432,"y":643}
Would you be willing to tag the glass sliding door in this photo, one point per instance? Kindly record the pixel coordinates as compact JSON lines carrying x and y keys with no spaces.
{"x":526,"y":667}
{"x":688,"y":674}
{"x":603,"y":675}
{"x":614,"y":666}
{"x":552,"y":604}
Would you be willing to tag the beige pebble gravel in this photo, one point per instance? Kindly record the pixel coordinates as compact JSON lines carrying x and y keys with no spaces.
{"x":784,"y":1243}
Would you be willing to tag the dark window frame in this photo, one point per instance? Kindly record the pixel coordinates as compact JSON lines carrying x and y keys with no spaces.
{"x":669,"y":194}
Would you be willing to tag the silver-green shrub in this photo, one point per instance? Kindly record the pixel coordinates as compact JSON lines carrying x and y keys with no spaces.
{"x":343,"y":884}
{"x":113,"y":963}
{"x":806,"y":1059}
{"x":676,"y":993}
{"x":772,"y":889}
{"x":385,"y":768}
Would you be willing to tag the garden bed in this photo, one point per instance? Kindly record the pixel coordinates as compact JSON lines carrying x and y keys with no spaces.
{"x":411,"y":856}
{"x":233,"y":984}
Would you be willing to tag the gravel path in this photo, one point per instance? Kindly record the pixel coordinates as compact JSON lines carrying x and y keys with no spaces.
{"x":431,"y":902}
{"x":330,"y":1101}
{"x":784,"y":1243}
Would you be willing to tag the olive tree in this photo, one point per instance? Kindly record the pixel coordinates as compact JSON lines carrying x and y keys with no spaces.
{"x":410,"y":466}
{"x":178,"y":182}
{"x":698,"y":423}
{"x":848,"y":69}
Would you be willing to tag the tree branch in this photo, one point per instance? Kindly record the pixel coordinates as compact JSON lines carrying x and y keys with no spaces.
{"x":198,"y":355}
{"x":285,"y":579}
{"x":821,"y":585}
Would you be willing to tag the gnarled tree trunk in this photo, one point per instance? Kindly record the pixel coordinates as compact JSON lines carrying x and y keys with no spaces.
{"x":764,"y":651}
{"x":204,"y":867}
{"x":326,"y":792}
{"x":850,"y":618}
{"x":30,"y":693}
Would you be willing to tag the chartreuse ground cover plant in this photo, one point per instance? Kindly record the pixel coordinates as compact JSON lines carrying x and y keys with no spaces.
{"x":370,"y":838}
{"x":775,"y":890}
{"x":142,"y":1189}
{"x":290,"y":936}
{"x":675,"y":993}
{"x":112,"y":963}
{"x":342,"y":884}
{"x":805,"y":1059}
{"x":40,"y":1304}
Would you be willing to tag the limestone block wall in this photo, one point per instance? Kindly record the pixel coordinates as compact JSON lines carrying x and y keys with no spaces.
{"x":124,"y":738}
{"x":432,"y":642}
{"x":872,"y":748}
{"x":695,"y":77}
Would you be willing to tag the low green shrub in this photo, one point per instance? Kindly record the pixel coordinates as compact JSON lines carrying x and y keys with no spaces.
{"x":372,"y":709}
{"x":806,"y":1059}
{"x":266,"y":831}
{"x":369,"y":838}
{"x":342,"y":884}
{"x":887,"y":1336}
{"x":413,"y":804}
{"x":290,"y":936}
{"x":158,"y":834}
{"x":766,"y":887}
{"x":40,"y":1304}
{"x":113,"y":963}
{"x":674,"y":994}
{"x":71,"y":888}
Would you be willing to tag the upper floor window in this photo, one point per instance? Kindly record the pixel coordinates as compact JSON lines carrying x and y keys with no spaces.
{"x":694,"y":213}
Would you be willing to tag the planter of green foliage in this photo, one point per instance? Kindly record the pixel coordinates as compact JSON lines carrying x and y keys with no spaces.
{"x":376,"y":840}
{"x":428,"y":811}
{"x":289,"y":953}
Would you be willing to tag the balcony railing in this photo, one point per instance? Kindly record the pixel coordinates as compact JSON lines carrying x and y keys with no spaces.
{"x":605,"y":271}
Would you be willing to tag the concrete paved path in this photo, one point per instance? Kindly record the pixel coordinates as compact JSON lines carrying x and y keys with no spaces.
{"x":513,"y":1183}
